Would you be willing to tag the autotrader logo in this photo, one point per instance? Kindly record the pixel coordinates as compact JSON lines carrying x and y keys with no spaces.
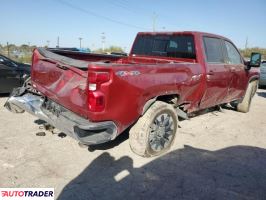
{"x":27,"y":193}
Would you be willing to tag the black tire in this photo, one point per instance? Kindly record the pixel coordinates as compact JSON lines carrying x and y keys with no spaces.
{"x":255,"y":87}
{"x":244,"y":106}
{"x":155,"y":131}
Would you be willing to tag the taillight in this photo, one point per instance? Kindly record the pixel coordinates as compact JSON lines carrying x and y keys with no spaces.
{"x":96,"y":99}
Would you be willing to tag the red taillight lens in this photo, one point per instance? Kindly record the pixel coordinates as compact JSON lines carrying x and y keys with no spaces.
{"x":96,"y":98}
{"x":96,"y":101}
{"x":98,"y":77}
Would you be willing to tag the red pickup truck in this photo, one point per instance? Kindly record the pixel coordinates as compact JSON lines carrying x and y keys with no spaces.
{"x":166,"y":76}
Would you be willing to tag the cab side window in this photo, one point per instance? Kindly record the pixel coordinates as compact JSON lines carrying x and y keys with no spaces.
{"x":213,"y":50}
{"x":232,"y":53}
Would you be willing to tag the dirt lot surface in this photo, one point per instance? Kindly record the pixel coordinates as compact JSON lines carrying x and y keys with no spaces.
{"x":218,"y":155}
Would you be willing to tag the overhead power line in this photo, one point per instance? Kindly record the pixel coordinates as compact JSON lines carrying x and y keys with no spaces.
{"x":122,"y":6}
{"x":89,"y":12}
{"x":140,"y":10}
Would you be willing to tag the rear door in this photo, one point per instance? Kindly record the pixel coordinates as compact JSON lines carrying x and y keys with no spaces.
{"x":235,"y":64}
{"x":217,"y":73}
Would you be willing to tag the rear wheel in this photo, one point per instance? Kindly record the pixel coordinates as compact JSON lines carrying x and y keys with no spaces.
{"x":154,"y":132}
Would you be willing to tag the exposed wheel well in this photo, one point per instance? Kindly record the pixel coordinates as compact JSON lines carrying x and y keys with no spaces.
{"x":254,"y":79}
{"x":171,"y":99}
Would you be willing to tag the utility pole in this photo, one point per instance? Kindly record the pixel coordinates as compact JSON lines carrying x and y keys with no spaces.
{"x":103,"y":40}
{"x":48,"y":42}
{"x":92,"y":46}
{"x":246,"y":44}
{"x":80,"y":38}
{"x":29,"y":49}
{"x":154,"y":20}
{"x":8,"y":54}
{"x":57,"y":46}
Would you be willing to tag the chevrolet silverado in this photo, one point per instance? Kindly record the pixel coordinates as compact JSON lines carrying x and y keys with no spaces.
{"x":166,"y":76}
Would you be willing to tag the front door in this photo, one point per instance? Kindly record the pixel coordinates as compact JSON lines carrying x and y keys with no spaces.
{"x":235,"y":64}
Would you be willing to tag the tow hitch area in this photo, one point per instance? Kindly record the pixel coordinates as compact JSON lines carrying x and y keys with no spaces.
{"x":81,"y":129}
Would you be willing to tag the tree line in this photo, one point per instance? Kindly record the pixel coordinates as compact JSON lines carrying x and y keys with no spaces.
{"x":247,"y":52}
{"x":23,"y":52}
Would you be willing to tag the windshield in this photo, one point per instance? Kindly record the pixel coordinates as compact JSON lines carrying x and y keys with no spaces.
{"x":176,"y":46}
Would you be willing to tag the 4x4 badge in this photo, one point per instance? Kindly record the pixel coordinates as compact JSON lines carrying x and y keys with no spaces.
{"x":127,"y":73}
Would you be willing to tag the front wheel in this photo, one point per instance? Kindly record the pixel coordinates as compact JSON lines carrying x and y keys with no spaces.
{"x":154,"y":132}
{"x":244,"y":106}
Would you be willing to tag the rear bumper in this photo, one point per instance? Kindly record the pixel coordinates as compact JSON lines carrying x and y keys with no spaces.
{"x":81,"y":129}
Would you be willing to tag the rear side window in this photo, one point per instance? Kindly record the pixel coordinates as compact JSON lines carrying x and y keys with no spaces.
{"x":233,"y":55}
{"x":177,"y":46}
{"x":213,"y":50}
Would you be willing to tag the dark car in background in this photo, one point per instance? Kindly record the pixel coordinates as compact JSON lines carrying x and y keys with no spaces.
{"x":262,"y":82}
{"x":12,"y":74}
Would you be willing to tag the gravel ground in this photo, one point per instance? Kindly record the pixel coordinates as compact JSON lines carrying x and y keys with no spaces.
{"x":217,"y":155}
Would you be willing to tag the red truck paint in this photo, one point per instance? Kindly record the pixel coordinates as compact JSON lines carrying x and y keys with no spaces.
{"x":135,"y":79}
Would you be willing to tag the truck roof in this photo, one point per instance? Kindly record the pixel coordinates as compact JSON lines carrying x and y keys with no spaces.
{"x":183,"y":32}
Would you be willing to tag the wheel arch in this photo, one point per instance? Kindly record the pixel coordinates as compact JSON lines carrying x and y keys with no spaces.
{"x":169,"y":98}
{"x":253,"y":78}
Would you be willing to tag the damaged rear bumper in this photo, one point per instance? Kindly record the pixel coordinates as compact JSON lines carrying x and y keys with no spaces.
{"x":83,"y":130}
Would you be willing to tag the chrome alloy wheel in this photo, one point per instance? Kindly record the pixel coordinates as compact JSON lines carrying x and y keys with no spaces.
{"x":161,"y":132}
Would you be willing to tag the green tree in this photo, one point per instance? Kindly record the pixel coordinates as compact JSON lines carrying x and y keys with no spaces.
{"x":24,"y":48}
{"x":111,"y":49}
{"x":247,"y":52}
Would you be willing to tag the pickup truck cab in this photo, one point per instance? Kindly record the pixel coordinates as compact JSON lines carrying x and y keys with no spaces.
{"x":167,"y":75}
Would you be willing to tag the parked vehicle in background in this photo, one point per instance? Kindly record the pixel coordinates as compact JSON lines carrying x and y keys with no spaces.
{"x":12,"y":74}
{"x":84,"y":50}
{"x":262,"y":82}
{"x":63,"y":49}
{"x":94,"y":98}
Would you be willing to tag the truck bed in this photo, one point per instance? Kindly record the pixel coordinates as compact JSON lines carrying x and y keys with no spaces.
{"x":111,"y":58}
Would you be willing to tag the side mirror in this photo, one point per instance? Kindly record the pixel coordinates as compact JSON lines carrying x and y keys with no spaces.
{"x":255,"y":60}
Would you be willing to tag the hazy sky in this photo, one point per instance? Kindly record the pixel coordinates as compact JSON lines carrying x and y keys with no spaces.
{"x":39,"y":21}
